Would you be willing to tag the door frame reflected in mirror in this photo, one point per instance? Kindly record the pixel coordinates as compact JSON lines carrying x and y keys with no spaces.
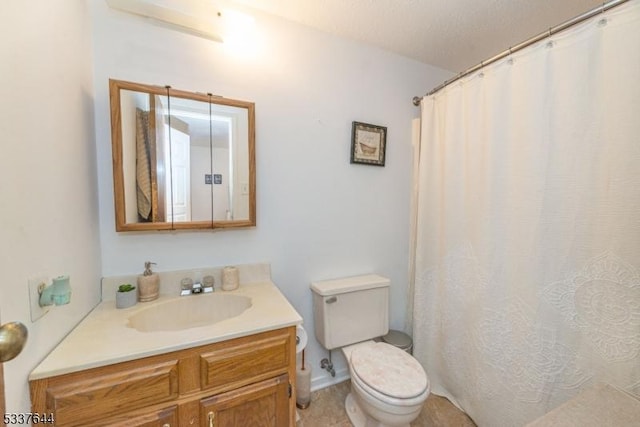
{"x":118,"y":157}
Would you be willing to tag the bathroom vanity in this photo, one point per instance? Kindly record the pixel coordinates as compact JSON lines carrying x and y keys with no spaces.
{"x":234,"y":372}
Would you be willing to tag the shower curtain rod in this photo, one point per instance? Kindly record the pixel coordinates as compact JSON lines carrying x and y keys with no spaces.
{"x":551,"y":31}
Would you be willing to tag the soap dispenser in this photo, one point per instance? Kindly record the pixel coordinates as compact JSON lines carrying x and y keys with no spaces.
{"x":148,"y":284}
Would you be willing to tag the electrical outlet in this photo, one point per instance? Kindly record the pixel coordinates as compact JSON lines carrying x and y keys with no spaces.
{"x":34,"y":297}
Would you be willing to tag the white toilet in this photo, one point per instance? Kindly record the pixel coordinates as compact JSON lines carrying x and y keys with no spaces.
{"x":388,"y":386}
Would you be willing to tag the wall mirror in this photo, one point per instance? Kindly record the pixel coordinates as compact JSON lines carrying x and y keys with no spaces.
{"x":181,"y":160}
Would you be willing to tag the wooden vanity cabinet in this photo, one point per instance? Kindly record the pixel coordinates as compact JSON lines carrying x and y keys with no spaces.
{"x":165,"y":417}
{"x":238,"y":382}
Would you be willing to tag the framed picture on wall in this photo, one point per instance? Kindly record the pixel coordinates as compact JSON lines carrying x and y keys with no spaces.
{"x":368,"y":144}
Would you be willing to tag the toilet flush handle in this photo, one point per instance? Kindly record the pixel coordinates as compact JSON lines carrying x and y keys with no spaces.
{"x":331,"y":300}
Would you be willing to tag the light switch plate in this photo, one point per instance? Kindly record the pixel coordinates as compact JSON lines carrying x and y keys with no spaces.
{"x":34,"y":297}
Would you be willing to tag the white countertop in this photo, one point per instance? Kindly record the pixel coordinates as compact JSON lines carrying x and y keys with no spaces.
{"x":103,"y":337}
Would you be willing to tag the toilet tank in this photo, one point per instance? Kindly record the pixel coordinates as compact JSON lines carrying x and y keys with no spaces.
{"x":350,"y":310}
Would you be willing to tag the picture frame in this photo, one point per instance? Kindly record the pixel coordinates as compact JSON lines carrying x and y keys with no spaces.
{"x":368,"y":144}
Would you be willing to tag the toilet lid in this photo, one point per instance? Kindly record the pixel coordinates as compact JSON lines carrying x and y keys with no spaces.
{"x":389,"y":370}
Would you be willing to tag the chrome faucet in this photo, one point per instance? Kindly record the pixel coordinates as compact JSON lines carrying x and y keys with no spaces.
{"x":189,"y":287}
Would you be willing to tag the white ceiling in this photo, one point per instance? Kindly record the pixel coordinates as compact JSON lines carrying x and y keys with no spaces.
{"x":449,"y":34}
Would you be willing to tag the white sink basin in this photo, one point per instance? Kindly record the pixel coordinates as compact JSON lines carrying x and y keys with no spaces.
{"x":189,"y":312}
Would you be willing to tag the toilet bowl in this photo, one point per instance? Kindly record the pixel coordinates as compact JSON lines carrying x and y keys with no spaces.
{"x":388,"y":386}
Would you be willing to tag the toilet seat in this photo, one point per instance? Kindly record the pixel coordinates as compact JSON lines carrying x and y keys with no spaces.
{"x":388,"y":373}
{"x":391,"y":403}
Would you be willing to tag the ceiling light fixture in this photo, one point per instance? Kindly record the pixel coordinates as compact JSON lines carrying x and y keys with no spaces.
{"x":169,"y":17}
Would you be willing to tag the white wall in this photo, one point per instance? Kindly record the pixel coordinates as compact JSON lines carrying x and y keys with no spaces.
{"x":220,"y":192}
{"x":200,"y":192}
{"x":319,"y":217}
{"x":49,"y":209}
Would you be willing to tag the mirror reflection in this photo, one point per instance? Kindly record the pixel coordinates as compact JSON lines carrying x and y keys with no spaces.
{"x":181,"y":159}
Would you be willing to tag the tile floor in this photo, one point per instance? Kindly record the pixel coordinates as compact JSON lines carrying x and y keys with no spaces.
{"x":327,"y":410}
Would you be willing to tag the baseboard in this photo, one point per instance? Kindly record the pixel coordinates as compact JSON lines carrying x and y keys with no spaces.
{"x":326,"y":380}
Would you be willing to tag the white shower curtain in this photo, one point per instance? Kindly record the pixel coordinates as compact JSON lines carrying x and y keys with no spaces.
{"x":527,"y":282}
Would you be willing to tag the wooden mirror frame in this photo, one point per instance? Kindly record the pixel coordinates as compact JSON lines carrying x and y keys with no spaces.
{"x":115,"y":86}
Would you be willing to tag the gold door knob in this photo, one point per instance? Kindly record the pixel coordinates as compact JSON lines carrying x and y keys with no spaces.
{"x":13,"y":337}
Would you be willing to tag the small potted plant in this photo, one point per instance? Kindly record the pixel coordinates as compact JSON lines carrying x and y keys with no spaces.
{"x":126,"y":296}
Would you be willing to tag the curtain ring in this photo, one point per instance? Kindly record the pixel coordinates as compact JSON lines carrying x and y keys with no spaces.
{"x":510,"y":56}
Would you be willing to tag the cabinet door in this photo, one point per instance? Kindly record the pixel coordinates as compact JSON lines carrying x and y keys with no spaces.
{"x":165,"y":417}
{"x":263,"y":404}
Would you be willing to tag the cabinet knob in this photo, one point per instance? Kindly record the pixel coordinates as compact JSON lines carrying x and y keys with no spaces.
{"x":212,"y":417}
